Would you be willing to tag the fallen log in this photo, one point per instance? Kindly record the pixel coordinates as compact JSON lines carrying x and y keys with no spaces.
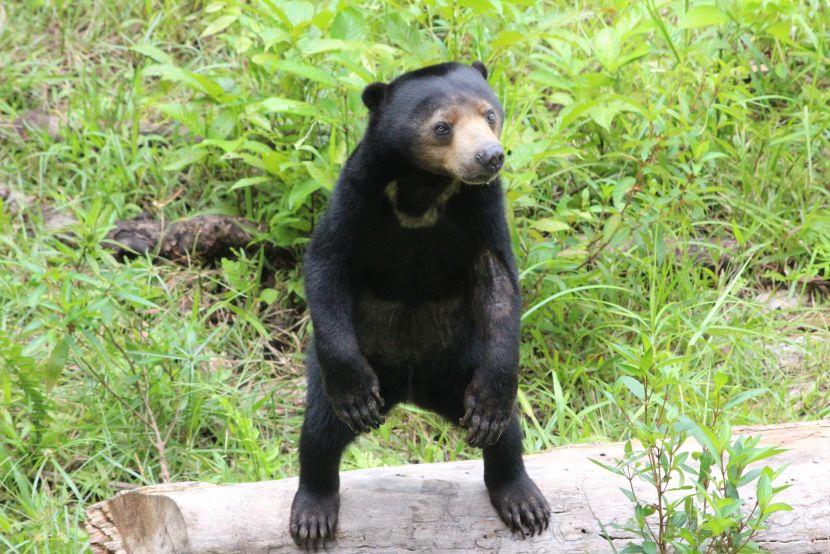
{"x":445,"y":508}
{"x":202,"y":238}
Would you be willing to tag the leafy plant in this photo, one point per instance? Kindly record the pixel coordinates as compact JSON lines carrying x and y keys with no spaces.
{"x":686,"y":499}
{"x":691,"y":500}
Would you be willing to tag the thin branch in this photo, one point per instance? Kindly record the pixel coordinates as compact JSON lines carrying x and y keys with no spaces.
{"x":151,"y":423}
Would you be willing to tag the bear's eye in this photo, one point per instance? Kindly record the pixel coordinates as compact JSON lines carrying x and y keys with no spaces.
{"x":442,"y":129}
{"x":491,"y":116}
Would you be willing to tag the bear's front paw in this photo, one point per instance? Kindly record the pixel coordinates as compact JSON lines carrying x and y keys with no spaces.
{"x":313,"y":518}
{"x":487,"y":414}
{"x":359,"y":408}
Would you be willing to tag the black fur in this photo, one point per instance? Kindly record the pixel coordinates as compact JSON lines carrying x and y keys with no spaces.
{"x":481,"y":68}
{"x":373,"y":95}
{"x":427,"y":315}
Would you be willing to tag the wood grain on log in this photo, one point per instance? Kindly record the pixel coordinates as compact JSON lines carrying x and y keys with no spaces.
{"x":445,"y":508}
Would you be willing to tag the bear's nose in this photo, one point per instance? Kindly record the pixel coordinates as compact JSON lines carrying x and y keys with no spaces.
{"x":491,"y":157}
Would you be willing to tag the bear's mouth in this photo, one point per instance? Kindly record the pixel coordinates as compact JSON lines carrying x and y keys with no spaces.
{"x":480,"y":179}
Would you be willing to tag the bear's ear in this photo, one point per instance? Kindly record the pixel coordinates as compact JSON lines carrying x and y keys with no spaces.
{"x":373,"y":94}
{"x":481,"y":68}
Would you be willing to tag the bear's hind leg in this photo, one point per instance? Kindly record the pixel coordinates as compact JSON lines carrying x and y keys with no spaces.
{"x":513,"y":494}
{"x":322,"y":441}
{"x":516,"y":498}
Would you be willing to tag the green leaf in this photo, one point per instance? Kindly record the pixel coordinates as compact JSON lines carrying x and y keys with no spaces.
{"x":56,"y":362}
{"x":319,"y":46}
{"x":194,"y":81}
{"x":702,"y":16}
{"x":749,"y":476}
{"x":185,"y":115}
{"x":153,"y":53}
{"x":298,"y":13}
{"x":717,"y":525}
{"x":349,"y":24}
{"x":227,"y":146}
{"x":185,"y":157}
{"x":764,"y":488}
{"x":135,"y":299}
{"x":608,"y":467}
{"x":305,"y":71}
{"x":273,"y":162}
{"x":742,"y":397}
{"x":641,"y":50}
{"x":777,"y":507}
{"x":640,"y":516}
{"x":269,"y":296}
{"x":634,"y":386}
{"x":607,"y":47}
{"x":703,"y":436}
{"x":505,"y":39}
{"x":249,"y":182}
{"x":300,"y":192}
{"x":646,"y":360}
{"x":604,"y":114}
{"x":549,"y":225}
{"x":286,"y":105}
{"x":223,"y":125}
{"x":250,"y":318}
{"x":781,"y":31}
{"x":219,"y":24}
{"x":478,"y":6}
{"x":720,"y":379}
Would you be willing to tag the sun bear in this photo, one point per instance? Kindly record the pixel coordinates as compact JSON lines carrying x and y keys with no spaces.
{"x":413,"y":292}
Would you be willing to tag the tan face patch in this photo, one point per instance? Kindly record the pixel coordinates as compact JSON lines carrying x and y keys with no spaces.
{"x":454,"y":154}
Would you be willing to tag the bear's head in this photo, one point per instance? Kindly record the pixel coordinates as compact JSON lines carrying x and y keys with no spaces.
{"x":443,"y":119}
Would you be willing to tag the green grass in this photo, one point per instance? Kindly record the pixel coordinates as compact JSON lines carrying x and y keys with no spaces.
{"x":646,"y":139}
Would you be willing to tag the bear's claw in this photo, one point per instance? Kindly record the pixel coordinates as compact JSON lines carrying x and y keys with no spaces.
{"x":313,"y":519}
{"x":522,"y":507}
{"x":484,"y":430}
{"x":361,"y":413}
{"x":489,"y":403}
{"x":487,"y":416}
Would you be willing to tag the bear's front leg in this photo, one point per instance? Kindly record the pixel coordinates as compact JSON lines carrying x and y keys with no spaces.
{"x":491,"y":393}
{"x":350,"y":383}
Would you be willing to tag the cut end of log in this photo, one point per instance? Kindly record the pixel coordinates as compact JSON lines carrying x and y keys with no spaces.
{"x":104,"y":537}
{"x":445,"y":507}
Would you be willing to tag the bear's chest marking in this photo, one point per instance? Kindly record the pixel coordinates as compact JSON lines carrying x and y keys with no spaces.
{"x":397,"y":334}
{"x":428,"y":217}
